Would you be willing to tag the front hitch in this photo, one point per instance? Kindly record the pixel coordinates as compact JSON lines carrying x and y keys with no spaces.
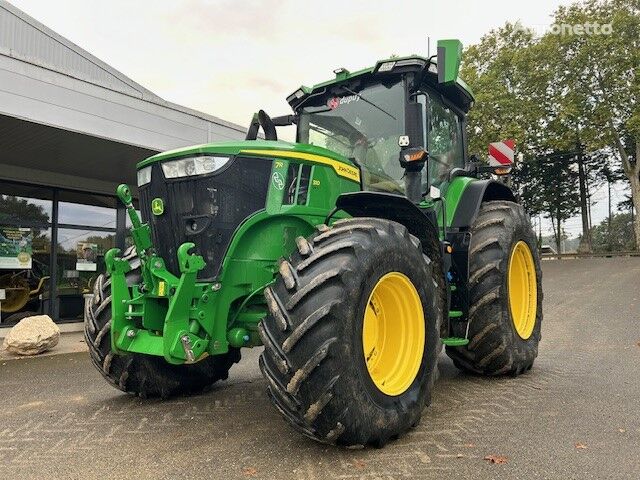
{"x":164,"y":315}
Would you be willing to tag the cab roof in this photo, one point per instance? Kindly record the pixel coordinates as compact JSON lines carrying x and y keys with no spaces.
{"x":458,"y":92}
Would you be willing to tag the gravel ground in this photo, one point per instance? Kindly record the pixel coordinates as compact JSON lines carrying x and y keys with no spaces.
{"x":575,"y":415}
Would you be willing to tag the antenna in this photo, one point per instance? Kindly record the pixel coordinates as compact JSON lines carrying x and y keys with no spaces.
{"x":428,"y":46}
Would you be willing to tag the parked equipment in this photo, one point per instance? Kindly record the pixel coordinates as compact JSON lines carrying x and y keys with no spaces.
{"x":352,"y":255}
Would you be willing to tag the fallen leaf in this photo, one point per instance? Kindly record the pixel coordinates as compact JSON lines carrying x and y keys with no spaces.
{"x":249,"y":471}
{"x":621,"y":430}
{"x":470,"y":445}
{"x":359,"y":464}
{"x":498,"y":459}
{"x":638,"y":343}
{"x":580,"y":446}
{"x":459,"y":455}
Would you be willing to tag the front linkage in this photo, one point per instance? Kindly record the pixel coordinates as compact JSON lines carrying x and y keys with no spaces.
{"x":164,"y":315}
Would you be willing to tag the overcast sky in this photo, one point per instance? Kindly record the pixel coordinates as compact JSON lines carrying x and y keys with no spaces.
{"x":231,"y":57}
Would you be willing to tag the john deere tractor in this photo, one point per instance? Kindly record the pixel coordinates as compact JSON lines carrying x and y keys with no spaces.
{"x":351,"y":255}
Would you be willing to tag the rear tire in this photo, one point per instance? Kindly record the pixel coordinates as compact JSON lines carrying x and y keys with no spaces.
{"x":144,"y":375}
{"x":314,"y":360}
{"x":495,"y":346}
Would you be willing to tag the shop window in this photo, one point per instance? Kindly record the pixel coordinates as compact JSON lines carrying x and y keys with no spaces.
{"x":25,"y":250}
{"x":25,"y":255}
{"x":80,"y":261}
{"x":86,"y":229}
{"x":86,"y":215}
{"x":22,"y":204}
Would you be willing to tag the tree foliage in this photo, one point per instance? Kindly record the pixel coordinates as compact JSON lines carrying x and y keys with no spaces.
{"x":617,"y":237}
{"x":558,"y":94}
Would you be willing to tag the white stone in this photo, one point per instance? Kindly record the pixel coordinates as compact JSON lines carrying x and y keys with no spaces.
{"x":32,"y":335}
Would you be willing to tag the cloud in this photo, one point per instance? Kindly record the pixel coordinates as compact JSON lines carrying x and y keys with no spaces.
{"x":223,"y":19}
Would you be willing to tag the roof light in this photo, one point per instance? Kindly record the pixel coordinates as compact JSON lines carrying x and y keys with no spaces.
{"x":341,"y":73}
{"x":411,"y":61}
{"x":386,"y":66}
{"x":298,"y":93}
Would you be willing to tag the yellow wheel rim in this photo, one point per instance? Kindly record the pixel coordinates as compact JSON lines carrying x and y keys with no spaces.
{"x":393,"y":333}
{"x":523,"y":290}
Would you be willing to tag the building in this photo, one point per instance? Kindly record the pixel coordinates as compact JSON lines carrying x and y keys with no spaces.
{"x":71,"y":129}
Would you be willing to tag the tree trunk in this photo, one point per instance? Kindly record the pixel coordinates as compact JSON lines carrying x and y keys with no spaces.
{"x":585,"y":241}
{"x":557,"y":231}
{"x":635,"y":196}
{"x":632,"y":171}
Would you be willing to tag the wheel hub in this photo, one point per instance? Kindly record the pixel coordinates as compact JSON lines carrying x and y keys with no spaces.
{"x":393,"y":333}
{"x":523,"y":294}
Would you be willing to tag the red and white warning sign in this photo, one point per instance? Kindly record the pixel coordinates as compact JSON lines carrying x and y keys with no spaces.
{"x":501,"y":154}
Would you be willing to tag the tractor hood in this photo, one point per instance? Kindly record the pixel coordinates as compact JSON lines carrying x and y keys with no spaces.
{"x":250,"y":148}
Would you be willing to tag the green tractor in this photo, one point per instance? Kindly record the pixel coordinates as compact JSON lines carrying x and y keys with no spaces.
{"x":352,"y":255}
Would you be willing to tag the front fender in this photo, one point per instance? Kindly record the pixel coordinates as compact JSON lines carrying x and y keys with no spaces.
{"x":421,"y":223}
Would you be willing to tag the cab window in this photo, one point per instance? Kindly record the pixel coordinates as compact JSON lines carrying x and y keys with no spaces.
{"x":366,"y":126}
{"x":444,"y":140}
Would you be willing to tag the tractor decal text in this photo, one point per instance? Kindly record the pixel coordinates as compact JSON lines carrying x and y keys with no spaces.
{"x":335,"y":102}
{"x":342,"y":169}
{"x":278,"y":180}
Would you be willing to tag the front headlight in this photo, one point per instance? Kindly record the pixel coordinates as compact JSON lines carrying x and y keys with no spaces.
{"x":144,"y":176}
{"x":187,"y":167}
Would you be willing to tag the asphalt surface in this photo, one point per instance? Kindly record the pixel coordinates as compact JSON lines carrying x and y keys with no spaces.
{"x":575,"y":415}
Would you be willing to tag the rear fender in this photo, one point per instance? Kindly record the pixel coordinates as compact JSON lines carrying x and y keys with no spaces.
{"x":466,"y":195}
{"x":475,"y":193}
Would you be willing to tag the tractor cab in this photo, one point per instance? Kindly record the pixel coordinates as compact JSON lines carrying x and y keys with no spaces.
{"x":375,"y":116}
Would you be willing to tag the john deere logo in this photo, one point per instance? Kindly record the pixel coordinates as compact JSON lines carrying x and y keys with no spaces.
{"x":278,"y":180}
{"x":157,"y":206}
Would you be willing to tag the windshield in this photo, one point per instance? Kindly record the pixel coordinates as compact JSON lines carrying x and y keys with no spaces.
{"x":364,"y":125}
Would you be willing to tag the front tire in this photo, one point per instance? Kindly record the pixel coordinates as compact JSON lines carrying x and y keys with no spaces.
{"x":138,"y":374}
{"x":505,"y":285}
{"x":352,"y":337}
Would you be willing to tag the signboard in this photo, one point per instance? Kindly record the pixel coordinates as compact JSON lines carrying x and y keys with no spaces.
{"x":501,"y":153}
{"x":16,"y":247}
{"x":86,"y":254}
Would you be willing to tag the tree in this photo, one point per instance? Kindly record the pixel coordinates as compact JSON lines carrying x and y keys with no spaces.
{"x":561,"y":93}
{"x":545,"y":185}
{"x":615,"y":235}
{"x":515,"y":98}
{"x":16,"y":209}
{"x":602,"y":74}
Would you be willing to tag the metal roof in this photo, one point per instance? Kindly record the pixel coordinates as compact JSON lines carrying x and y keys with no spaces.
{"x":24,"y":38}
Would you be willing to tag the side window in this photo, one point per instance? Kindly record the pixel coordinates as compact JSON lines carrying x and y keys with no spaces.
{"x":444,"y":140}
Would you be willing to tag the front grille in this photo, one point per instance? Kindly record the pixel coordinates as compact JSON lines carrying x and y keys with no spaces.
{"x":204,"y":210}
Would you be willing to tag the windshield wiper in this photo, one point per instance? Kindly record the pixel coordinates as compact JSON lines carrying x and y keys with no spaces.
{"x":368,"y":101}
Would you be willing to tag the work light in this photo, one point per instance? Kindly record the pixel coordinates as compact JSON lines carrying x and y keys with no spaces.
{"x":144,"y":176}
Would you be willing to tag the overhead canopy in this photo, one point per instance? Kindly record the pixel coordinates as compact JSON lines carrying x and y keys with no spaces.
{"x":51,"y":156}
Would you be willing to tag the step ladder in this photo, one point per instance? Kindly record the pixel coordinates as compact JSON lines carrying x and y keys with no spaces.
{"x":455,"y":341}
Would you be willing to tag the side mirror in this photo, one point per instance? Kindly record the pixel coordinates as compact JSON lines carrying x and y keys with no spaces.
{"x":449,"y":54}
